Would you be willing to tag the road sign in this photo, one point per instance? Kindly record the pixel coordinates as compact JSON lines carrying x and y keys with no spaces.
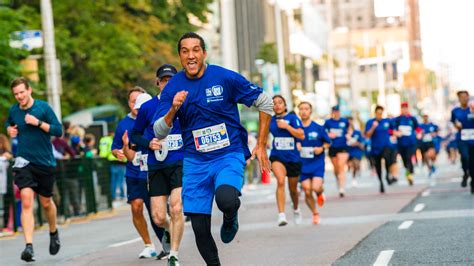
{"x":28,"y":39}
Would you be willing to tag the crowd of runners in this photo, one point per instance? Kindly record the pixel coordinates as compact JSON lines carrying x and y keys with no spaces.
{"x":186,"y":148}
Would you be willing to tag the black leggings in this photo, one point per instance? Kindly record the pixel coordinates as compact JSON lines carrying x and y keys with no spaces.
{"x":385,"y":154}
{"x":471,"y":164}
{"x":407,"y":154}
{"x":227,"y":199}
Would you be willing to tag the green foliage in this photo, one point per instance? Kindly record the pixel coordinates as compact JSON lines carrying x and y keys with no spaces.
{"x":106,"y":46}
{"x":268,"y":52}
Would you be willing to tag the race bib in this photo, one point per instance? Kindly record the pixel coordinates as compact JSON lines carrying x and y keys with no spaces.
{"x":136,"y":159}
{"x":467,"y":134}
{"x":211,"y":138}
{"x":307,"y":152}
{"x":351,"y":141}
{"x":20,"y":162}
{"x":284,"y":144}
{"x":143,"y":162}
{"x":337,"y":131}
{"x":174,"y":142}
{"x":427,"y":138}
{"x":406,"y":130}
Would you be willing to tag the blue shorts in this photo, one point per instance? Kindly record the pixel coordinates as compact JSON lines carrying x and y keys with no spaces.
{"x":137,"y":188}
{"x":202,"y":178}
{"x":318,"y":173}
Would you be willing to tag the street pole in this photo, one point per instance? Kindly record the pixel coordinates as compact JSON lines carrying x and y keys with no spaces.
{"x":228,"y":35}
{"x":381,"y":100}
{"x":53,"y":79}
{"x":281,"y":57}
{"x":332,"y":87}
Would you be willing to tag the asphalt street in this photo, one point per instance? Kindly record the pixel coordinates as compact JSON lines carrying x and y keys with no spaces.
{"x":360,"y":229}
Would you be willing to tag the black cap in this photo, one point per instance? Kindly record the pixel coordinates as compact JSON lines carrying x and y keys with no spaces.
{"x":335,"y":108}
{"x":166,"y":70}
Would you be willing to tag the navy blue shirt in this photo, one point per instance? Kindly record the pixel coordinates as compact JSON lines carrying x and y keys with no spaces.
{"x":33,"y":143}
{"x":315,"y":136}
{"x":356,"y":151}
{"x":459,"y":114}
{"x":427,"y":131}
{"x":339,"y":128}
{"x":284,"y":144}
{"x":467,"y":132}
{"x":172,"y":150}
{"x":408,"y":125}
{"x":209,"y":118}
{"x":380,"y":139}
{"x":133,"y":167}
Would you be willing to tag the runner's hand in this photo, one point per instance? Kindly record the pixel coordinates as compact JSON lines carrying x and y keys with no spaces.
{"x":120,"y":156}
{"x":375,"y":124}
{"x":31,"y":120}
{"x":125,"y":139}
{"x":155,"y":144}
{"x":12,"y":131}
{"x":332,"y":135}
{"x":282,"y":124}
{"x":261,"y":153}
{"x":318,"y":150}
{"x":179,"y":99}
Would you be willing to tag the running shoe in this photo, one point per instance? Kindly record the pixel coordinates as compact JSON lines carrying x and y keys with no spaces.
{"x":298,"y":216}
{"x":166,"y":241}
{"x":410,"y":179}
{"x":173,"y":261}
{"x":229,"y":228}
{"x":148,"y":252}
{"x":54,"y":243}
{"x":316,"y":218}
{"x":28,"y":254}
{"x":341,"y":193}
{"x":163,"y":255}
{"x":282,"y":219}
{"x":321,"y":199}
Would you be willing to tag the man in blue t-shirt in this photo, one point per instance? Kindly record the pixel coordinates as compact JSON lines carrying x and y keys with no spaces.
{"x":406,"y":128}
{"x":378,"y":129}
{"x":467,"y":135}
{"x":34,"y":122}
{"x":164,"y":162}
{"x":429,"y":132}
{"x":136,"y":172}
{"x":204,"y":98}
{"x":459,"y":118}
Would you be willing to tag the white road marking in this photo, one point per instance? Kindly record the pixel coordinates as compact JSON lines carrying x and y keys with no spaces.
{"x":426,"y":193}
{"x":456,"y":179}
{"x":405,"y":225}
{"x":125,"y":243}
{"x":419,"y":207}
{"x":384,"y":258}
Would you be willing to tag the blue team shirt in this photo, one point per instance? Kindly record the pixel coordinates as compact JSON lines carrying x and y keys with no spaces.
{"x":459,"y":114}
{"x":339,"y":127}
{"x":284,"y":144}
{"x":209,"y":118}
{"x":132,"y":168}
{"x":408,"y":126}
{"x":356,"y":151}
{"x":468,"y":128}
{"x":144,"y":126}
{"x":315,"y":136}
{"x":427,"y":130}
{"x":380,"y":139}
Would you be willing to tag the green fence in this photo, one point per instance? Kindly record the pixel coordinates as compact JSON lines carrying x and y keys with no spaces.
{"x":82,"y":187}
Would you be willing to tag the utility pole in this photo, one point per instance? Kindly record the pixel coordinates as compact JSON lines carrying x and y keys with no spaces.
{"x":281,"y":57}
{"x":332,"y":86}
{"x":53,"y":77}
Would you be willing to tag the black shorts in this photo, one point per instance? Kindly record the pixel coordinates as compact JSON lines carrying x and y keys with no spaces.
{"x":39,"y":178}
{"x":425,"y":146}
{"x":162,"y":181}
{"x":293,"y":169}
{"x":391,"y":156}
{"x":334,"y":151}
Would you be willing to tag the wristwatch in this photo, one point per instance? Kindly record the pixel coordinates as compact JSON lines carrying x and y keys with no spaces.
{"x":40,"y":123}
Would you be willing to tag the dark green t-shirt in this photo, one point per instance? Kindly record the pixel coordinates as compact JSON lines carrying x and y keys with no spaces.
{"x":33,"y":143}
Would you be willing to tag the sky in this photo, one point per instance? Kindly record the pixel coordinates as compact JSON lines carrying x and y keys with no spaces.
{"x":447,"y":34}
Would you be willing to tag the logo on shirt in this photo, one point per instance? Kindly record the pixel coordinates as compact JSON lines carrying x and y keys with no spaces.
{"x":214,"y":94}
{"x":386,"y":125}
{"x":342,"y":124}
{"x":312,"y":135}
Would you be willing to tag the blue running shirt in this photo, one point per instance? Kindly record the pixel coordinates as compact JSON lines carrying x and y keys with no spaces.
{"x":408,"y":125}
{"x":355,"y":151}
{"x":339,"y":128}
{"x":284,"y":144}
{"x":467,"y":132}
{"x":209,"y":118}
{"x":315,"y":136}
{"x":459,"y":114}
{"x":381,"y":136}
{"x":173,"y":147}
{"x":427,"y":130}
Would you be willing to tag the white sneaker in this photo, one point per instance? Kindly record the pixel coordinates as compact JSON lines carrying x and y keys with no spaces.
{"x":282,"y":219}
{"x":148,"y":252}
{"x":298,"y":216}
